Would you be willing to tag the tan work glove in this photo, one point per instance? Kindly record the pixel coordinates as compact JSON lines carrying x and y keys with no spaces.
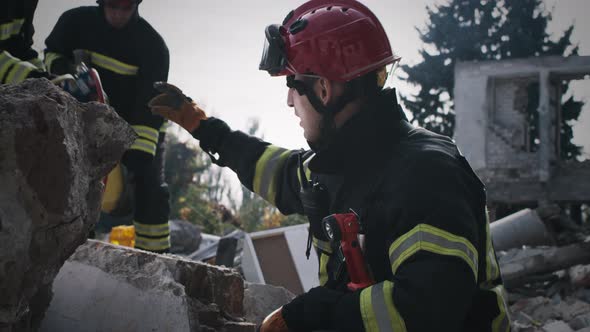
{"x":173,"y":105}
{"x":274,"y":322}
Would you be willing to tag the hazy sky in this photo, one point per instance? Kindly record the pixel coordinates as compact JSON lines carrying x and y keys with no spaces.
{"x":215,"y":49}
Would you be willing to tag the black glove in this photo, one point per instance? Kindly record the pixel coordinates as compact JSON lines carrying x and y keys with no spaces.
{"x":137,"y":162}
{"x":312,"y":310}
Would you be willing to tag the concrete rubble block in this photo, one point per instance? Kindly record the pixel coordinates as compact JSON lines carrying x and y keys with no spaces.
{"x":53,"y":153}
{"x":580,"y":322}
{"x":260,"y":300}
{"x":524,"y":227}
{"x":536,"y":310}
{"x":570,"y":308}
{"x":557,"y":326}
{"x":580,"y":275}
{"x":541,"y":310}
{"x":185,"y":237}
{"x":517,"y":265}
{"x":103,"y":287}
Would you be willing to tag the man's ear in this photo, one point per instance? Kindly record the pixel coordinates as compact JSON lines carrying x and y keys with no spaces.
{"x":326,"y":90}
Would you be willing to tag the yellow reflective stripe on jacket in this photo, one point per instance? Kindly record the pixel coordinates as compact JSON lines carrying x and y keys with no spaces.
{"x":37,"y":63}
{"x":152,"y":244}
{"x":13,"y":70}
{"x":10,"y":29}
{"x":378,"y":310}
{"x":501,"y":323}
{"x":306,"y":169}
{"x":19,"y":72}
{"x":323,"y":271}
{"x":492,"y":269}
{"x":113,"y":65}
{"x":164,"y":126}
{"x":324,"y":249}
{"x":267,"y":170}
{"x":6,"y":62}
{"x":152,"y":230}
{"x":146,"y":132}
{"x":435,"y":240}
{"x":144,"y":145}
{"x":322,"y":245}
{"x":49,"y":58}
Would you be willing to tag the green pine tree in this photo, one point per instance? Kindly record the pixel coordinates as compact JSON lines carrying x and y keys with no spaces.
{"x":468,"y":30}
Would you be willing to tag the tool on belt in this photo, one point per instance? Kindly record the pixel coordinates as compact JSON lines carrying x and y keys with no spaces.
{"x":343,"y":230}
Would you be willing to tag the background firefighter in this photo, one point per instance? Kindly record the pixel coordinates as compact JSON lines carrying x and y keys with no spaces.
{"x":129,"y":56}
{"x":18,"y":60}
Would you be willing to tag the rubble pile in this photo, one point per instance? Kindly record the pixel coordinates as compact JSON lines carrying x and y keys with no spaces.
{"x":104,"y":287}
{"x":549,"y":286}
{"x":54,"y":152}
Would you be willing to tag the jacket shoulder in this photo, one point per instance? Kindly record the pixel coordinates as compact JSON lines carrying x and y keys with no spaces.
{"x":80,"y":13}
{"x":150,"y":34}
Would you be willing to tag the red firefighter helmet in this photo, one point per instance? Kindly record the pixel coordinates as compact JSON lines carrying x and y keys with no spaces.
{"x":337,"y":39}
{"x":119,"y":3}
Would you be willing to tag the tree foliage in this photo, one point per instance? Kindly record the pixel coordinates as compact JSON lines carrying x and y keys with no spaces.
{"x":475,"y":30}
{"x":255,"y":213}
{"x":198,"y":191}
{"x":195,"y":187}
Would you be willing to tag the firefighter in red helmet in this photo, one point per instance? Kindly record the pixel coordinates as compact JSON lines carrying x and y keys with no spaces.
{"x":130,"y":55}
{"x":427,"y":245}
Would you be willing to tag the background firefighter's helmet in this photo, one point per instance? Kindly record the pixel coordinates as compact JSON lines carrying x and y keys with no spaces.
{"x":337,"y":39}
{"x":120,"y":2}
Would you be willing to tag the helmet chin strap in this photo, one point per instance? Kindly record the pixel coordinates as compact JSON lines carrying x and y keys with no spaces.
{"x":328,"y":112}
{"x":331,"y":108}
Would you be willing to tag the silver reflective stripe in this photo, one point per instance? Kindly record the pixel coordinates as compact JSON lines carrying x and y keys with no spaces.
{"x":152,"y":244}
{"x":435,"y":240}
{"x":8,"y":30}
{"x":145,"y":146}
{"x":269,"y":170}
{"x":113,"y":64}
{"x":146,"y":132}
{"x":380,"y":308}
{"x":306,"y":169}
{"x":152,"y":230}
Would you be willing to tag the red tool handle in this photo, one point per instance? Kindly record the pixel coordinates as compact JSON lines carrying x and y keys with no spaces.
{"x":349,"y":227}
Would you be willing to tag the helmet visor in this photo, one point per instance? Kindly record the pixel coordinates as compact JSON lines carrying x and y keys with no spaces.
{"x":274,"y":59}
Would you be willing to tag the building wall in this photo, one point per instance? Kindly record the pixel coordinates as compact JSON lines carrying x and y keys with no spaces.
{"x":492,"y":131}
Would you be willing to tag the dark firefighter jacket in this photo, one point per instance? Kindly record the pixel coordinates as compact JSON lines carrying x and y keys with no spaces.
{"x":129,"y":61}
{"x":18,"y":60}
{"x":427,"y":238}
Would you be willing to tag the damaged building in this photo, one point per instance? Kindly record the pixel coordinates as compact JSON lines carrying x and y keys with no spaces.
{"x":519,"y":159}
{"x":508,"y":127}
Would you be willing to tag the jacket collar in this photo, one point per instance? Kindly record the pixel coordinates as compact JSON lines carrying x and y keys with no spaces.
{"x":367,"y":137}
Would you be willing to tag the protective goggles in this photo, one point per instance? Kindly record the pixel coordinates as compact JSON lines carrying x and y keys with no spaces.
{"x":274,"y":57}
{"x":301,"y":86}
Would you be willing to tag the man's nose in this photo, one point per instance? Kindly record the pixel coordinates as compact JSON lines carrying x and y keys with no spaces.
{"x":290,"y":97}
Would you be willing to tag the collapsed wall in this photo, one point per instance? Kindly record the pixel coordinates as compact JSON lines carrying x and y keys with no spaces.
{"x":53,"y":153}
